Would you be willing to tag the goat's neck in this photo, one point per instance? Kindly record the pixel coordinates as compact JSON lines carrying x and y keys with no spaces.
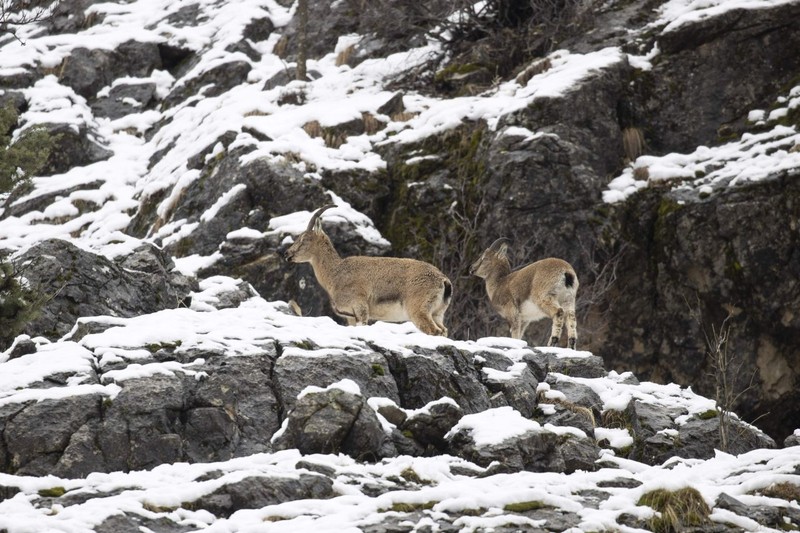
{"x":497,"y":282}
{"x":325,"y":263}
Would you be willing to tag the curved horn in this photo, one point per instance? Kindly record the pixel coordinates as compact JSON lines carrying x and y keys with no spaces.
{"x":498,"y":243}
{"x":316,"y":215}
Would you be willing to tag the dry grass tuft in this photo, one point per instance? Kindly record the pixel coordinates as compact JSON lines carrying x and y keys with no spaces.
{"x":641,"y":174}
{"x":313,"y":128}
{"x":371,"y":124}
{"x":343,"y":57}
{"x":403,"y":116}
{"x":536,"y":68}
{"x":677,"y":510}
{"x":785,"y":491}
{"x":633,"y":142}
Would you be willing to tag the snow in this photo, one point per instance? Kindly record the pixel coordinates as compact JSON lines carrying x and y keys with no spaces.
{"x":116,"y":187}
{"x":493,"y":426}
{"x":754,"y":157}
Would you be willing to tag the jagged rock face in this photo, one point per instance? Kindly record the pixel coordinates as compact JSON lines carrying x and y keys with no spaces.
{"x":704,"y":262}
{"x":78,"y":283}
{"x":735,"y":250}
{"x":152,"y":421}
{"x":713,"y":72}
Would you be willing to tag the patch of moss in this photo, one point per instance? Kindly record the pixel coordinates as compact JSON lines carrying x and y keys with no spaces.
{"x":410,"y":475}
{"x":400,"y":507}
{"x":453,"y":156}
{"x":52,"y":492}
{"x":676,"y":510}
{"x":456,"y":70}
{"x":304,"y":345}
{"x":157,"y":346}
{"x":707,"y":415}
{"x":184,"y":247}
{"x":378,"y":370}
{"x":523,"y":507}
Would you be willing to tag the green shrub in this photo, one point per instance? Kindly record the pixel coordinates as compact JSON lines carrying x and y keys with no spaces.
{"x":18,"y":304}
{"x":26,"y":156}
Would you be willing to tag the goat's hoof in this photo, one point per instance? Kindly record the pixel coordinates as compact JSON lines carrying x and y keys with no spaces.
{"x":553,"y":341}
{"x":572,"y":343}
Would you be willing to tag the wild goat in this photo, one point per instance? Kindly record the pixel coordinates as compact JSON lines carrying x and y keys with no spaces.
{"x":363,"y":288}
{"x":544,"y":288}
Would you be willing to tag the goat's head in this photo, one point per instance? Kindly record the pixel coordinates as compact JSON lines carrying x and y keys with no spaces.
{"x":495,"y":258}
{"x":303,"y":248}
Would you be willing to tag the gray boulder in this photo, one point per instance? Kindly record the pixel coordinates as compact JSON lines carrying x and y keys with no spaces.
{"x":153,"y":420}
{"x":256,"y":492}
{"x":87,"y":71}
{"x":79,"y":283}
{"x":370,"y":371}
{"x":334,"y":421}
{"x":426,"y":376}
{"x":72,"y":148}
{"x":430,"y":426}
{"x":534,"y":451}
{"x":39,"y":432}
{"x":212,"y":82}
{"x":124,"y":99}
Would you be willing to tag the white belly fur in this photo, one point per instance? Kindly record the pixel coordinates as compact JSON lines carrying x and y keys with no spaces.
{"x":531,"y":312}
{"x":389,"y":312}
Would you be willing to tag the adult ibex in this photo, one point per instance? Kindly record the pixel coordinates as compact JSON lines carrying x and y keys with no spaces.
{"x":364,"y":288}
{"x":544,"y":288}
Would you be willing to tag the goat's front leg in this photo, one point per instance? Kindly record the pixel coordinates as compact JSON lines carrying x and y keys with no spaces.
{"x":517,"y":327}
{"x":361,"y":314}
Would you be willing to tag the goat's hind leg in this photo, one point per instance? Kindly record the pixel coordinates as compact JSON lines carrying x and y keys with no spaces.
{"x":572,"y":329}
{"x":426,"y":324}
{"x":556,"y":312}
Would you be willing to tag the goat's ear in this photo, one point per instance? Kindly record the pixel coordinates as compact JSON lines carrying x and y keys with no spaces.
{"x":318,"y":226}
{"x":503,"y":250}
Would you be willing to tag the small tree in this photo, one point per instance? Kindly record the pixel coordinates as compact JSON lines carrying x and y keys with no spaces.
{"x":24,"y":156}
{"x":302,"y":35}
{"x":726,"y":372}
{"x":17,"y":304}
{"x":16,"y":13}
{"x":19,"y":160}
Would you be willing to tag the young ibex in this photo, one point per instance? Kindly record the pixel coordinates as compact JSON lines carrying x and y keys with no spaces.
{"x":364,"y":288}
{"x":544,"y":288}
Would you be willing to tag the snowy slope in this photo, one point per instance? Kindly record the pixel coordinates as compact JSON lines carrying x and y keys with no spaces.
{"x":340,"y":93}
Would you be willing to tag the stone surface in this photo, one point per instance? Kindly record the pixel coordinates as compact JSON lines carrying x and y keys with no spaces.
{"x":64,"y":271}
{"x":335,"y":421}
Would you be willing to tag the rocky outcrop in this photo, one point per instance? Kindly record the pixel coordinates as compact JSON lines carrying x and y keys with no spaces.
{"x":77,"y":283}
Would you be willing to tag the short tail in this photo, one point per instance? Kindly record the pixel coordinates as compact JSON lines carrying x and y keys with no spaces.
{"x":569,"y":279}
{"x":448,"y":291}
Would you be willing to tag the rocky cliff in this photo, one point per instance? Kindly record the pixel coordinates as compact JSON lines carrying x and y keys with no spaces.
{"x":653,"y":145}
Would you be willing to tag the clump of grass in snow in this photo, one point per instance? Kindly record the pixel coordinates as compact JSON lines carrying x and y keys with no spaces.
{"x":785,"y":491}
{"x":676,"y":509}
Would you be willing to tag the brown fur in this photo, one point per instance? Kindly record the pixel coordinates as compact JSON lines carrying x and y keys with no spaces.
{"x":544,"y":288}
{"x":362,"y":288}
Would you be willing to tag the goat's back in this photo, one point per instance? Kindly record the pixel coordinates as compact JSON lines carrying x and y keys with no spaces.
{"x":390,"y":273}
{"x":551,"y":275}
